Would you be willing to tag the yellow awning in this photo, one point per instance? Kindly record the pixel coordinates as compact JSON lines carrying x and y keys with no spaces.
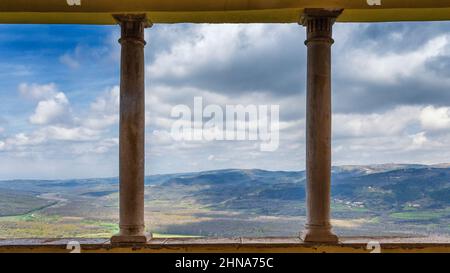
{"x":217,"y":11}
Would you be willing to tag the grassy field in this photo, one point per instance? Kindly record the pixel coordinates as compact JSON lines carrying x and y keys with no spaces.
{"x":420,"y":215}
{"x":228,"y":203}
{"x":15,"y":203}
{"x":35,"y":225}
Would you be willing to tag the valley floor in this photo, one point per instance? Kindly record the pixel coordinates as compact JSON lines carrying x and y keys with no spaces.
{"x":231,"y":203}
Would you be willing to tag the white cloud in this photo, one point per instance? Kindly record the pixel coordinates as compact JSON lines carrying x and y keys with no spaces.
{"x":419,"y":139}
{"x":106,"y":145}
{"x":38,"y":92}
{"x":69,"y":134}
{"x":46,"y":134}
{"x":98,"y":147}
{"x":108,"y":102}
{"x":104,"y":111}
{"x":369,"y":66}
{"x":68,"y":60}
{"x":188,"y":58}
{"x":211,"y":47}
{"x":393,"y":122}
{"x":52,"y":110}
{"x":159,"y":138}
{"x":23,"y":139}
{"x":87,"y":53}
{"x":433,"y":118}
{"x":207,"y":44}
{"x":56,"y":122}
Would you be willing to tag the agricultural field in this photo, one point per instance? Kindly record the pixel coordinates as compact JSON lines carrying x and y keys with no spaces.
{"x":388,"y":200}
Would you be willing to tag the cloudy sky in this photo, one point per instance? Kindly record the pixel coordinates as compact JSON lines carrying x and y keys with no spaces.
{"x":59,"y":95}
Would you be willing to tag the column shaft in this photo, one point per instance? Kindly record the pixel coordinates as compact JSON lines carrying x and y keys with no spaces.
{"x":318,"y":125}
{"x":132,"y":130}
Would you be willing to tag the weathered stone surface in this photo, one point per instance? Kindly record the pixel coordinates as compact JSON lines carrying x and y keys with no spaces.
{"x":236,"y":245}
{"x":319,"y":24}
{"x":132,"y":129}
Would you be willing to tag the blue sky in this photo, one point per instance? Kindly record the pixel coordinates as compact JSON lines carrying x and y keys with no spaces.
{"x":59,"y":95}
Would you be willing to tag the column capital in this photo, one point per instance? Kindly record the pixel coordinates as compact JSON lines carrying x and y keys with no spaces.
{"x":319,"y":24}
{"x":132,"y":26}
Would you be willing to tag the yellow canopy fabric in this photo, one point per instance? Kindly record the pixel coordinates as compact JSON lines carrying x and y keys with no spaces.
{"x":217,"y":11}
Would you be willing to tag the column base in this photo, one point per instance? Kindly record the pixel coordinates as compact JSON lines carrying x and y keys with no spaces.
{"x":318,"y":234}
{"x":131,"y":239}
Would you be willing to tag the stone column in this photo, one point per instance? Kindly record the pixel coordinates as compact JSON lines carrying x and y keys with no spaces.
{"x":319,"y":25}
{"x":132,"y":129}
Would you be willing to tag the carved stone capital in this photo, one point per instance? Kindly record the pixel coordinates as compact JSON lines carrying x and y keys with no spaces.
{"x":319,"y":24}
{"x":132,"y":26}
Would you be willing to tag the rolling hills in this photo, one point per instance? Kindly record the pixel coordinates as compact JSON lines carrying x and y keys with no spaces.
{"x":388,"y":200}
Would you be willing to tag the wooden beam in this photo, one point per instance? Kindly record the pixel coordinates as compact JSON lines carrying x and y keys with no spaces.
{"x":217,"y":11}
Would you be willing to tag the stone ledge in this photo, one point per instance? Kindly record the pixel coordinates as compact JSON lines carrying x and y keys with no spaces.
{"x":230,"y":245}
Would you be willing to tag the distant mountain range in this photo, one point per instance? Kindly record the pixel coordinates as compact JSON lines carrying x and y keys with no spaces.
{"x":375,"y":199}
